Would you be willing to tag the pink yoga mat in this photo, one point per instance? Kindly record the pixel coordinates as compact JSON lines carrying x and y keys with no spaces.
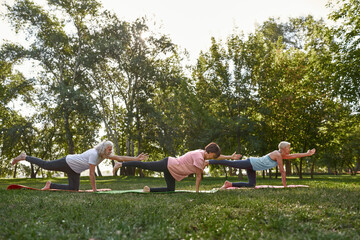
{"x":15,"y":187}
{"x":272,"y":186}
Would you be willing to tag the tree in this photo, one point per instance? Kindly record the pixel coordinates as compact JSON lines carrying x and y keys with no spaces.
{"x":138,"y":72}
{"x":296,"y":82}
{"x":13,"y":86}
{"x":59,"y":54}
{"x":347,"y":54}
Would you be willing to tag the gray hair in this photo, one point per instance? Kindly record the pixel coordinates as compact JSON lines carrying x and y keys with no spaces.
{"x":101,"y":147}
{"x":283,"y":144}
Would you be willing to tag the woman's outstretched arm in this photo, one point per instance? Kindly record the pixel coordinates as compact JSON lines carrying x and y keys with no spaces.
{"x":141,"y":157}
{"x":300,"y":155}
{"x":234,"y":156}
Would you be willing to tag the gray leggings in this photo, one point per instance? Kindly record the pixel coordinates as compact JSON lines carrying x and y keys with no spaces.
{"x":159,"y":166}
{"x":58,"y":165}
{"x":242,"y":164}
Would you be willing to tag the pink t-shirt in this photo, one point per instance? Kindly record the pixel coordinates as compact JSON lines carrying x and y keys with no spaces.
{"x":187,"y":164}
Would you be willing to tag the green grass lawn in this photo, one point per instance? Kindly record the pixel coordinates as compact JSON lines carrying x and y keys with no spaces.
{"x":329,"y":209}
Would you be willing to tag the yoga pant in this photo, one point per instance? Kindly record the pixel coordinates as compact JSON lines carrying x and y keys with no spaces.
{"x":158,"y":166}
{"x":58,"y":165}
{"x":242,"y":164}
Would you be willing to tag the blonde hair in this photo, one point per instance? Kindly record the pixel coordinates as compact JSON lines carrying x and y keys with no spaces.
{"x":283,"y":144}
{"x":101,"y":148}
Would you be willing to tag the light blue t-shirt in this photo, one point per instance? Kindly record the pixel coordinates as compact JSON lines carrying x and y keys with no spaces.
{"x":262,"y":163}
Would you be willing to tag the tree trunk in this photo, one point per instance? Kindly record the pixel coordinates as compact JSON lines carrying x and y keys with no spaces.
{"x":69,"y":135}
{"x":288,"y":167}
{"x":270,"y":174}
{"x":240,"y":176}
{"x":297,"y":168}
{"x":231,"y":171}
{"x":114,"y":139}
{"x":312,"y":169}
{"x":300,"y":170}
{"x":226,"y":176}
{"x":357,"y":167}
{"x":142,"y":175}
{"x":129,"y":171}
{"x":98,"y":171}
{"x":32,"y":174}
{"x":14,"y":175}
{"x":351,"y":169}
{"x":29,"y":152}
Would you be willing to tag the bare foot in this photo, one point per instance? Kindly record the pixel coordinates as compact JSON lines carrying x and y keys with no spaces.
{"x":47,"y":186}
{"x":19,"y":158}
{"x":116,"y":167}
{"x":146,"y":189}
{"x":226,"y":185}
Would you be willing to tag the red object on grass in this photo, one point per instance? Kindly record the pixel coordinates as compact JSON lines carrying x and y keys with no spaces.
{"x":16,"y":187}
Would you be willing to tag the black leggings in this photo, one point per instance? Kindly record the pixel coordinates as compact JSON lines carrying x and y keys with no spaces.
{"x":242,"y":164}
{"x":159,"y":166}
{"x":58,"y":165}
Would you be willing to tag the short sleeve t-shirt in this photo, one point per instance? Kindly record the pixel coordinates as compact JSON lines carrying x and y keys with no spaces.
{"x":187,"y":164}
{"x":80,"y":162}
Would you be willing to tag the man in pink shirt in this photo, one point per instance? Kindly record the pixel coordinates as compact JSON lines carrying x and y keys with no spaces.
{"x":181,"y":167}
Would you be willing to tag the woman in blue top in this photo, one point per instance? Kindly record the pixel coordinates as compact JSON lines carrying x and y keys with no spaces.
{"x":252,"y":164}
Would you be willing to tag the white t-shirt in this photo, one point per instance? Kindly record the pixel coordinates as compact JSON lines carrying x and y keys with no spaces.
{"x":80,"y":162}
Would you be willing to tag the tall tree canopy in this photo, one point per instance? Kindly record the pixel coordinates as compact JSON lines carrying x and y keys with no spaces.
{"x":96,"y":76}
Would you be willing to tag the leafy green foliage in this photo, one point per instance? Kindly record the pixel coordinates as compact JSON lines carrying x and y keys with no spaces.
{"x":346,"y":34}
{"x":293,"y":80}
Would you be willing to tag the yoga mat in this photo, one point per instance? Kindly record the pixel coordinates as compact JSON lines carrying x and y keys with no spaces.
{"x":16,"y":187}
{"x":275,"y":186}
{"x":141,"y":191}
{"x":270,"y":186}
{"x":192,"y":191}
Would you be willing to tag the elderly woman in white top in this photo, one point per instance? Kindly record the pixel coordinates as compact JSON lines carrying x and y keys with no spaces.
{"x":74,"y":164}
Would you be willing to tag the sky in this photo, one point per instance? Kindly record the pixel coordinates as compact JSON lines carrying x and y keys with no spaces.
{"x":191,"y":23}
